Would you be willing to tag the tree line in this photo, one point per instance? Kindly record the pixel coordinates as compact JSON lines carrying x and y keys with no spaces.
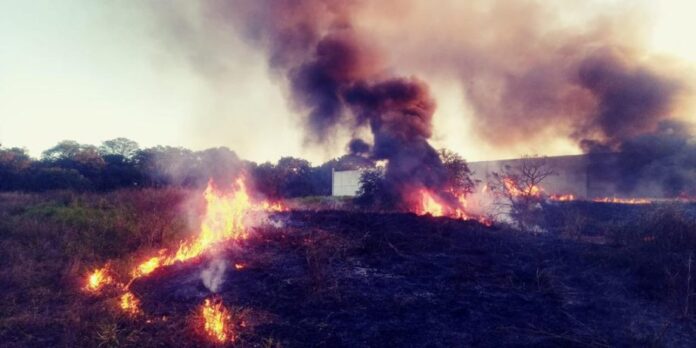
{"x":121,"y":163}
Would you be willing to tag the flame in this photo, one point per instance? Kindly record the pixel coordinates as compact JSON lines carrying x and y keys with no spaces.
{"x":563,"y":197}
{"x":224,"y":220}
{"x":216,"y":320}
{"x":97,"y":279}
{"x":622,"y":200}
{"x":239,"y":266}
{"x":429,"y":205}
{"x":129,"y":303}
{"x":514,"y":189}
{"x":273,"y":206}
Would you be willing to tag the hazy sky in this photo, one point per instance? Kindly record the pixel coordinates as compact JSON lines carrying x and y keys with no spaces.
{"x":94,"y":70}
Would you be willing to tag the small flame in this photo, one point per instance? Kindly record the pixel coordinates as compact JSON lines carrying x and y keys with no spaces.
{"x":148,"y":266}
{"x":622,"y":200}
{"x":129,"y":303}
{"x":563,"y":197}
{"x":97,"y":279}
{"x":216,"y":320}
{"x":239,"y":266}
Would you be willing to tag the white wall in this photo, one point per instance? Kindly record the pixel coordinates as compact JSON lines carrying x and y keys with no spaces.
{"x":345,"y":183}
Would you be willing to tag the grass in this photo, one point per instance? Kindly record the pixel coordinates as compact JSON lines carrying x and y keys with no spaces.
{"x":341,"y":264}
{"x":50,"y":241}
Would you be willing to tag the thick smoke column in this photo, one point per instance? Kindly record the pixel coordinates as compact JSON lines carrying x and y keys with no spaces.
{"x":336,"y":79}
{"x":528,"y":73}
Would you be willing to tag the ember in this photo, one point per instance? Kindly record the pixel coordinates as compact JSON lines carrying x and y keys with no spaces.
{"x":216,"y":320}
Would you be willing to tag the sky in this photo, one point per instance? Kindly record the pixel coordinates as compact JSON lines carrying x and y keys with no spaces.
{"x":95,"y":70}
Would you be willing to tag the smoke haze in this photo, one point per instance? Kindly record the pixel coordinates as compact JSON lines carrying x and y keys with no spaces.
{"x":529,"y":71}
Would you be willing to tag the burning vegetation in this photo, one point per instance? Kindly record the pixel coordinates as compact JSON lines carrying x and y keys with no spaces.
{"x":216,"y":320}
{"x":227,"y":218}
{"x":417,"y":260}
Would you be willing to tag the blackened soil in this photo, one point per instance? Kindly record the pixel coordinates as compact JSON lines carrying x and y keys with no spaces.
{"x":340,"y":279}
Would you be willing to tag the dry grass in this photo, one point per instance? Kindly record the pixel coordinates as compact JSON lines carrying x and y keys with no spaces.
{"x":50,"y":241}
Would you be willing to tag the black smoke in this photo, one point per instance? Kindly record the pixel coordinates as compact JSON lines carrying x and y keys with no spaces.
{"x":336,"y":79}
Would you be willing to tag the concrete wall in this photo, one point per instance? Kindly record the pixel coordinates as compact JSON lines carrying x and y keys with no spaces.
{"x":571,"y":173}
{"x":585,"y":176}
{"x":345,"y":183}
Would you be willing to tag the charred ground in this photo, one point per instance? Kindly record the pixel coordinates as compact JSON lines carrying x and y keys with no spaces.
{"x":340,"y":279}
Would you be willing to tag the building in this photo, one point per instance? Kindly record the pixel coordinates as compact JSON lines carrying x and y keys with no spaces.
{"x":345,"y":182}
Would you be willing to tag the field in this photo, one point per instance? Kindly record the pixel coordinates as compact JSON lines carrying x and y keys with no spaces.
{"x":604,"y":275}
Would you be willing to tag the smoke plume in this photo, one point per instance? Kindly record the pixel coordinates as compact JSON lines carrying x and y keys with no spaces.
{"x":528,"y":70}
{"x":337,"y":79}
{"x":214,"y":274}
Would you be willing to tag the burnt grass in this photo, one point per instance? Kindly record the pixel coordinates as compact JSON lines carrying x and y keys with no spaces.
{"x":351,"y":279}
{"x":339,"y":279}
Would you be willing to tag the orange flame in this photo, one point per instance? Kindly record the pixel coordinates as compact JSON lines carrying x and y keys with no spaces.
{"x":514,"y":189}
{"x":428,"y":204}
{"x":216,"y":320}
{"x":129,"y":303}
{"x":97,"y":279}
{"x":224,"y":220}
{"x":563,"y":197}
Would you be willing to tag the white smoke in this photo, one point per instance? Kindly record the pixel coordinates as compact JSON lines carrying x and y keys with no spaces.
{"x":214,"y":275}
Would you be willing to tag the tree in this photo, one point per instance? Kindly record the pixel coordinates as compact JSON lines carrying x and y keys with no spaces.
{"x":69,"y":154}
{"x":295,"y":177}
{"x":14,"y":163}
{"x":220,"y":164}
{"x":375,"y":192}
{"x":519,"y":191}
{"x":120,"y":146}
{"x":458,"y":172}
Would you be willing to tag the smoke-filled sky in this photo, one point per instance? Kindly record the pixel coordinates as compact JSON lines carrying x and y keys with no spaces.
{"x":506,"y":77}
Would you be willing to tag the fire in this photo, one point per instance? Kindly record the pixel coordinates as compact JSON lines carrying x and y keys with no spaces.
{"x":224,"y":220}
{"x":622,"y":200}
{"x":129,"y":303}
{"x":98,"y":279}
{"x":239,"y":266}
{"x":216,"y":320}
{"x":429,"y":205}
{"x":147,"y":267}
{"x":563,"y":197}
{"x":273,"y":206}
{"x":514,"y":189}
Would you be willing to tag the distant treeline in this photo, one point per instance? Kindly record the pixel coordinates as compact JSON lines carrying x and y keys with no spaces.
{"x":121,"y":163}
